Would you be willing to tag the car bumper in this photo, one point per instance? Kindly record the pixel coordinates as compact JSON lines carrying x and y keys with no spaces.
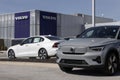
{"x":52,"y":51}
{"x":88,"y":59}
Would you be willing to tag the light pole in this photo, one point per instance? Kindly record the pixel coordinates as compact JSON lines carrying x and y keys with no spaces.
{"x":93,"y":12}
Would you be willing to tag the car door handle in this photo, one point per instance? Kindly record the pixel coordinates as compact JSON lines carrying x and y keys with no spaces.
{"x":38,"y":44}
{"x":26,"y":45}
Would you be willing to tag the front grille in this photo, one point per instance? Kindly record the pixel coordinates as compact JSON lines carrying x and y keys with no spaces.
{"x":73,"y":50}
{"x":73,"y":53}
{"x":76,"y":62}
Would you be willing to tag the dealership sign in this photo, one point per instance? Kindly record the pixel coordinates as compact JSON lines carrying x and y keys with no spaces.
{"x":48,"y":23}
{"x":49,"y":17}
{"x":22,"y":25}
{"x":21,"y":17}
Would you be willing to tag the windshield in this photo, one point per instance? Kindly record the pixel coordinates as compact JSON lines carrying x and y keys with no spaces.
{"x":100,"y":32}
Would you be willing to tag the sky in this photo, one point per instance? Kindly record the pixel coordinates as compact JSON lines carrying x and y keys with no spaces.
{"x":105,"y":8}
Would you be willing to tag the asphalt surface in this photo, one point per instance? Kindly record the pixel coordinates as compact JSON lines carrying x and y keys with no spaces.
{"x":46,"y":70}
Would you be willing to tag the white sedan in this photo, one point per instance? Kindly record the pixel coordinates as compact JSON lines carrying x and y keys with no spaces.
{"x":40,"y":46}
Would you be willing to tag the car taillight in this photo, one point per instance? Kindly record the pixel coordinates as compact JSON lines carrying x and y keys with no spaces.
{"x":55,"y":45}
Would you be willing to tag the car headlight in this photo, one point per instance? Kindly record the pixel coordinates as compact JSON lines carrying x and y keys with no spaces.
{"x":97,"y":48}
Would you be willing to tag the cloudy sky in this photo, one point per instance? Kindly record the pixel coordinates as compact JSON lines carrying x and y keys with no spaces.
{"x":105,"y":8}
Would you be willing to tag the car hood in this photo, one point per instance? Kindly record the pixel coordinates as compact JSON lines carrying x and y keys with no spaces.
{"x":14,"y":46}
{"x":85,"y":42}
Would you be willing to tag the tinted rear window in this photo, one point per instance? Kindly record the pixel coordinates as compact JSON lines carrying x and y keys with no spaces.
{"x":53,"y":38}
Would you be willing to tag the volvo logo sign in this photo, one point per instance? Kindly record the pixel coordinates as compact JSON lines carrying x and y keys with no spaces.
{"x":72,"y":50}
{"x":49,"y":17}
{"x":21,"y":18}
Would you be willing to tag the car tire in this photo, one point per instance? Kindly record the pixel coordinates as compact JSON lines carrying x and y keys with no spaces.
{"x":43,"y":55}
{"x":111,"y":64}
{"x":11,"y":55}
{"x":65,"y":69}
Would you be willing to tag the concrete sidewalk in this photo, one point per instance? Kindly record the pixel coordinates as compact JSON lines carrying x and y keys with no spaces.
{"x":3,"y":54}
{"x":2,"y":51}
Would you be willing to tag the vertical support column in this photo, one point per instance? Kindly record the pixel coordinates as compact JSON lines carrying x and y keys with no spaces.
{"x":93,"y":12}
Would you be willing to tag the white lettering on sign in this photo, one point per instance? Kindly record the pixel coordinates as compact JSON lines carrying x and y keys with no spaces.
{"x":49,"y":17}
{"x":21,"y":17}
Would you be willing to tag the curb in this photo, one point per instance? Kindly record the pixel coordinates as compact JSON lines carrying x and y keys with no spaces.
{"x":2,"y":52}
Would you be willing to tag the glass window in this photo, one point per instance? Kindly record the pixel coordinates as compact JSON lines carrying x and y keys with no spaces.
{"x":88,"y":34}
{"x":100,"y":32}
{"x":27,"y":41}
{"x":53,"y":38}
{"x":38,"y":39}
{"x":41,"y":39}
{"x":119,"y":35}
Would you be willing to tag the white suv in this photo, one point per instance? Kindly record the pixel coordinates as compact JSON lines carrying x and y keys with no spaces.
{"x":95,"y":47}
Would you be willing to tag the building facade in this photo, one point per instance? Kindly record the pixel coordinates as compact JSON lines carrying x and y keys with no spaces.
{"x":21,"y":25}
{"x":87,"y":19}
{"x":17,"y":26}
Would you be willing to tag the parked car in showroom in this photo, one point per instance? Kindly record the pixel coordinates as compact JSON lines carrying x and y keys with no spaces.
{"x":40,"y":46}
{"x":96,"y":47}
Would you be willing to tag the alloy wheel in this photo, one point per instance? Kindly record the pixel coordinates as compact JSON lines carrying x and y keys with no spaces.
{"x":112,"y":64}
{"x":11,"y":54}
{"x":43,"y":54}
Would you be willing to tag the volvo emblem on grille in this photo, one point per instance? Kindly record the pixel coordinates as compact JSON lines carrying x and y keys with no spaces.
{"x":72,"y":50}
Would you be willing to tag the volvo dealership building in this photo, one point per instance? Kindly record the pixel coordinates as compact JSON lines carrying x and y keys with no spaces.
{"x":20,"y":25}
{"x":31,"y":23}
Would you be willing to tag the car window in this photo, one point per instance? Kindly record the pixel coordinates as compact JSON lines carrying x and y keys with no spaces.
{"x":100,"y":32}
{"x":119,"y":35}
{"x":38,"y":39}
{"x":88,"y":34}
{"x":27,"y":41}
{"x":53,"y":38}
{"x":41,"y":39}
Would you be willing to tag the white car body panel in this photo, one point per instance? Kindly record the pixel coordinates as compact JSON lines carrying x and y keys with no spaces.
{"x":32,"y":49}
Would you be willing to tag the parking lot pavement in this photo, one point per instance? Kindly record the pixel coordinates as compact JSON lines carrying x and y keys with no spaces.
{"x":29,"y":69}
{"x":46,"y":71}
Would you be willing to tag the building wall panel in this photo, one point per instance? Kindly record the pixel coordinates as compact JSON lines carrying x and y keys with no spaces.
{"x":70,"y":25}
